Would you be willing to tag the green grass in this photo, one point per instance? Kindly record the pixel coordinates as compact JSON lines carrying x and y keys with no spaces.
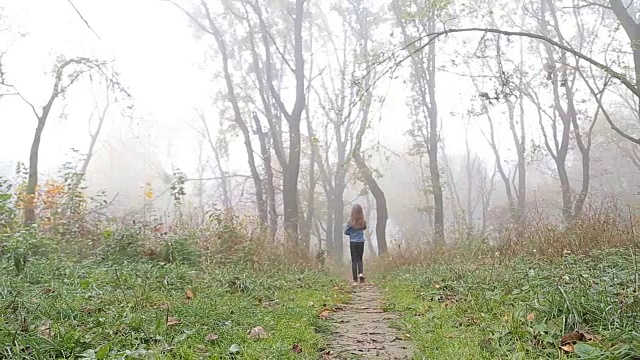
{"x":100,"y":310}
{"x":521,"y":309}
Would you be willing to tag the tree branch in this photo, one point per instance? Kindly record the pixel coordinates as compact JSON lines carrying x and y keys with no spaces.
{"x":616,"y":75}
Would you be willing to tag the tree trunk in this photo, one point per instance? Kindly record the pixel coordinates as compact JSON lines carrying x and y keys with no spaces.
{"x":93,"y":141}
{"x":224,"y":181}
{"x":424,"y":72}
{"x":434,"y":138}
{"x":255,"y":175}
{"x":268,"y":170}
{"x":290,"y":166}
{"x":561,"y":145}
{"x":337,"y":207}
{"x":362,"y":36}
{"x":32,"y":183}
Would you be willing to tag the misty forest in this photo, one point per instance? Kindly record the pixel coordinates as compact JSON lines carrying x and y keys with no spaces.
{"x":194,"y":179}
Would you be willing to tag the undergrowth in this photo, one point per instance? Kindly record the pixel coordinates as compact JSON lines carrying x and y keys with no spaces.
{"x":147,"y":309}
{"x":528,"y":308}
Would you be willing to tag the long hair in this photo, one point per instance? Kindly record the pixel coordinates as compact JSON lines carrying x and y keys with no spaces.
{"x":357,"y":218}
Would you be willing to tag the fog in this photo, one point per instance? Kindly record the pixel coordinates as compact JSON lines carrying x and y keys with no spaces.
{"x":175,"y":115}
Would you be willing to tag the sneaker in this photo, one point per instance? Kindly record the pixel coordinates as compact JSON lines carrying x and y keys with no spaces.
{"x":354,"y":283}
{"x":361,"y":278}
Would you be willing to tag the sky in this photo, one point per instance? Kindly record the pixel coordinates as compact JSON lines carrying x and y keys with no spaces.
{"x":163,"y":65}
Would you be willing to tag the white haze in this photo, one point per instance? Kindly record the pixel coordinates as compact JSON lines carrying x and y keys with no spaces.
{"x":170,"y":72}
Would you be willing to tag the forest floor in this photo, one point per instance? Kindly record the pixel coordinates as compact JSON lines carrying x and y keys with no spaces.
{"x":149,"y":310}
{"x":362,"y":329}
{"x":576,"y":306}
{"x":525,"y":308}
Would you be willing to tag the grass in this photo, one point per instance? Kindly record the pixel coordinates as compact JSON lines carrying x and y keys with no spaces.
{"x":520,"y":309}
{"x":101,"y":310}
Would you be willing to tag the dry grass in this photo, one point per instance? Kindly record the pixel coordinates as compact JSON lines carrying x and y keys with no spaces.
{"x":599,"y":227}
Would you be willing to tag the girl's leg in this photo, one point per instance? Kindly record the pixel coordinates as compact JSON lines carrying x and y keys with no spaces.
{"x":360,"y":264}
{"x":354,"y":260}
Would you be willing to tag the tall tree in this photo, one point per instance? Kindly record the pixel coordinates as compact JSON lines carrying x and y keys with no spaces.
{"x":66,"y":73}
{"x":414,"y":19}
{"x":362,"y":31}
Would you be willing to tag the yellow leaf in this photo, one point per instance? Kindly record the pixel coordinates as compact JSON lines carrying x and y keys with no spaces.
{"x":148,"y":191}
{"x":258,"y":333}
{"x":173,"y":321}
{"x":567,"y":348}
{"x":188,"y":294}
{"x":45,"y":330}
{"x":531,"y":317}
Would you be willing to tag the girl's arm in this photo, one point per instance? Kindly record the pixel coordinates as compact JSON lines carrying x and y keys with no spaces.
{"x":347,"y":230}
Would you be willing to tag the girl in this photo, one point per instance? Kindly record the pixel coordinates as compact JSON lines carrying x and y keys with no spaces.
{"x":355,"y":230}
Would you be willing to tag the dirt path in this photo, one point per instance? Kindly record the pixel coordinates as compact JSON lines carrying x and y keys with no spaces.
{"x":363,"y":331}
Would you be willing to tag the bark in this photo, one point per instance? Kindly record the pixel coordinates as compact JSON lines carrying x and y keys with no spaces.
{"x":291,"y":169}
{"x":94,"y":140}
{"x":57,"y":91}
{"x":367,"y":216}
{"x":632,"y":29}
{"x":381,"y":201}
{"x":32,"y":182}
{"x":224,"y":181}
{"x":491,"y":140}
{"x":313,"y":180}
{"x":268,"y":170}
{"x":434,"y":138}
{"x":469,"y":172}
{"x":257,"y":181}
{"x":486,"y":201}
{"x":424,"y":72}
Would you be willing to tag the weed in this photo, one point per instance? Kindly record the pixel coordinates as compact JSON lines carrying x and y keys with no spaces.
{"x":100,"y":310}
{"x":520,"y":309}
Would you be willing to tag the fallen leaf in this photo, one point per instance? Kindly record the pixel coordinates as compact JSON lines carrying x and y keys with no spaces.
{"x":45,"y":330}
{"x":296,"y":348}
{"x":448,"y":303}
{"x":324,"y":314}
{"x":258,"y":333}
{"x":591,"y":337}
{"x":571,"y":337}
{"x":149,"y":253}
{"x":531,"y":317}
{"x":171,"y":321}
{"x":48,"y":290}
{"x":437,"y":286}
{"x":568,"y":348}
{"x":234,"y":349}
{"x":164,"y":306}
{"x":211,"y":337}
{"x":188,"y":294}
{"x":327,"y":355}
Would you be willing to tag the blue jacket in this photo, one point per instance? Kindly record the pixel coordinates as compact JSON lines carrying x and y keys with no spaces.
{"x":355,"y":235}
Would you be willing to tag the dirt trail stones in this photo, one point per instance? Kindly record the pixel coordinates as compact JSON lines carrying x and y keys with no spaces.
{"x":362,"y":330}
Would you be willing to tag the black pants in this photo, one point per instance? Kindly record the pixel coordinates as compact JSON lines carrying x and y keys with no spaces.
{"x":357,"y":267}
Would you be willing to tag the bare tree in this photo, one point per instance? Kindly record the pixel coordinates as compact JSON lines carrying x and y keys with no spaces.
{"x":213,"y":29}
{"x":291,"y":166}
{"x":66,"y":73}
{"x":424,"y":83}
{"x":362,"y":33}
